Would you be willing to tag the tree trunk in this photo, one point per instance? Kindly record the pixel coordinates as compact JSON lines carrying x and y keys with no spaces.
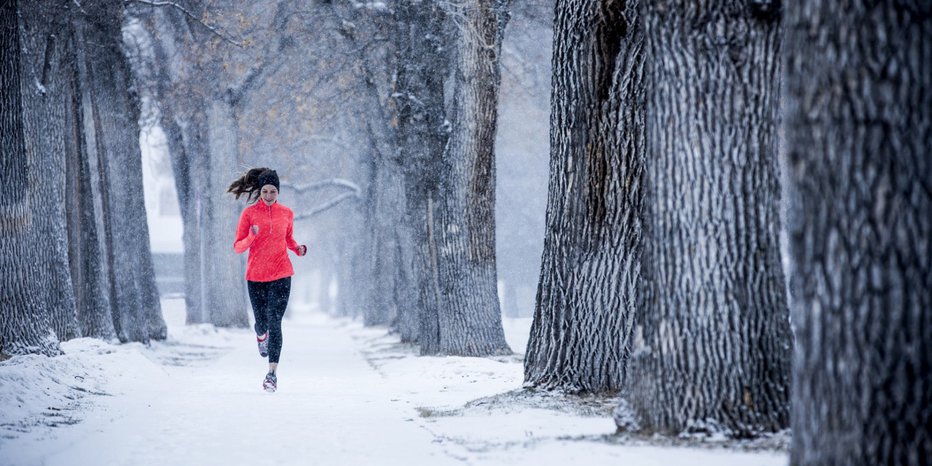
{"x":716,"y":339}
{"x":389,"y":251}
{"x":191,"y":165}
{"x":25,"y":260}
{"x":589,"y":273}
{"x":351,"y":264}
{"x":185,"y":160}
{"x":89,"y":272}
{"x":389,"y":270}
{"x":378,"y":265}
{"x":391,"y":289}
{"x":469,"y":316}
{"x":859,"y":138}
{"x":50,"y":61}
{"x":225,"y":280}
{"x":113,"y":121}
{"x":510,"y":306}
{"x":421,"y":138}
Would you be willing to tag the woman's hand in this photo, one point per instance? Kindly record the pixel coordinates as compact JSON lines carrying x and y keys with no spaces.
{"x":255,"y":229}
{"x":302,"y":250}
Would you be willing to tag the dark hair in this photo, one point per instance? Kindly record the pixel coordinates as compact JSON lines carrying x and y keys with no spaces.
{"x":252,"y":182}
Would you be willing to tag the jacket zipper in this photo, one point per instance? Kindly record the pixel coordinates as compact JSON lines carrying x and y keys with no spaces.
{"x":270,"y":220}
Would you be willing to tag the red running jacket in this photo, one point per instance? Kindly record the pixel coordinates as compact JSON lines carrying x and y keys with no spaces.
{"x":268,"y":251}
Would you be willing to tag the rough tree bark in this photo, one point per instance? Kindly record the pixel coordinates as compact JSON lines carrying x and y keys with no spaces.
{"x":469,"y":320}
{"x":859,"y":138}
{"x":715,"y":351}
{"x":62,"y":130}
{"x":49,"y":64}
{"x":31,"y":73}
{"x":586,"y":295}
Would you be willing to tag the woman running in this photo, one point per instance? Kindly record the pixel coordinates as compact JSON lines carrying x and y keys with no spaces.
{"x":265,"y":230}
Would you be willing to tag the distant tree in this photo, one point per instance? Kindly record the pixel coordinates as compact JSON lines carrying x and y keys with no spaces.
{"x":177,"y":85}
{"x":181,"y":115}
{"x":522,"y":153}
{"x":111,"y":130}
{"x":200,"y":105}
{"x":858,"y":144}
{"x":89,"y":262}
{"x":419,"y":98}
{"x":386,"y":264}
{"x":421,"y":116}
{"x":589,"y":273}
{"x":713,"y":333}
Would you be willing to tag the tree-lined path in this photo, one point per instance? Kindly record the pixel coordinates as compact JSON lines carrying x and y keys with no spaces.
{"x":732,"y":247}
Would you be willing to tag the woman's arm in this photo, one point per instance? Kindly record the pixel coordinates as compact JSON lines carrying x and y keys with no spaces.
{"x":244,"y":234}
{"x":292,"y":244}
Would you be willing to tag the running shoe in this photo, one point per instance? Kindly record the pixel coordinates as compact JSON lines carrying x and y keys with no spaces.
{"x":263,"y":341}
{"x":270,"y":384}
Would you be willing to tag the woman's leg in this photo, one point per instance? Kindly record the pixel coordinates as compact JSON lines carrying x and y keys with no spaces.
{"x":279,"y":291}
{"x":259,"y":298}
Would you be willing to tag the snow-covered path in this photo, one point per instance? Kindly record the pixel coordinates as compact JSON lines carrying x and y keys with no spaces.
{"x":325,"y":411}
{"x":348,"y":395}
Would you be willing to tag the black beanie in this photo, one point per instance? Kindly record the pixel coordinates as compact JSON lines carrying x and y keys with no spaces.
{"x":268,"y":177}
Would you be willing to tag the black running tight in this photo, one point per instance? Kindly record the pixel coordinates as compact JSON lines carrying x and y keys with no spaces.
{"x":269,"y":300}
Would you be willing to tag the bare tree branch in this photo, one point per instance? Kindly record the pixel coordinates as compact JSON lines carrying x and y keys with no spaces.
{"x":333,"y":182}
{"x":259,"y":73}
{"x":212,"y":29}
{"x":327,"y":205}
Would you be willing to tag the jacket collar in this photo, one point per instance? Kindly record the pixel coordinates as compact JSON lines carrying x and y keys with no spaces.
{"x":260,"y":204}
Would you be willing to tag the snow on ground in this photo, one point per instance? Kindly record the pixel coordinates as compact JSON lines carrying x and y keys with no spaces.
{"x":348,"y":394}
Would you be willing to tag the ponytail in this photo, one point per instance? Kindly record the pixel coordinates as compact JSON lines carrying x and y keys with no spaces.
{"x":248,"y":185}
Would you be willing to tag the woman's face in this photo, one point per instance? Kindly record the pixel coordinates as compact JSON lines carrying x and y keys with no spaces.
{"x":268,"y":194}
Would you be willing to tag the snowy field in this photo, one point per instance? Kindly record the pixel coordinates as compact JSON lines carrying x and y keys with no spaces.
{"x":347,"y":395}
